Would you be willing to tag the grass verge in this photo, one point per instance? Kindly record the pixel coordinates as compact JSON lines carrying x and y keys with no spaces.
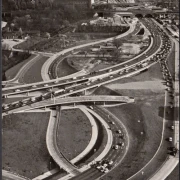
{"x":24,"y":148}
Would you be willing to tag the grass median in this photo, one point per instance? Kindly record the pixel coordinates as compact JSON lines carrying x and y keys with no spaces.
{"x":74,"y":132}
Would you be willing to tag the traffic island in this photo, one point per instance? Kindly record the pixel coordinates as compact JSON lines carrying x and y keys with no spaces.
{"x":74,"y":132}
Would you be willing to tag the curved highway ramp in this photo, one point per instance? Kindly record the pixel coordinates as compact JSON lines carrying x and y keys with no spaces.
{"x":51,"y":141}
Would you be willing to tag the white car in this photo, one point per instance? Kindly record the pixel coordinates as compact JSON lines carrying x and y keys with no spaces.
{"x":105,"y":165}
{"x":110,"y":162}
{"x":34,"y":86}
{"x":112,"y":122}
{"x":122,"y":144}
{"x":106,"y":170}
{"x":116,"y":147}
{"x":17,"y":90}
{"x":55,"y":82}
{"x":45,"y":85}
{"x":119,"y":131}
{"x":170,"y":138}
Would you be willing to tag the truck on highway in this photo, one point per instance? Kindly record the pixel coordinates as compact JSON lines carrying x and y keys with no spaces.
{"x":33,"y":99}
{"x":144,"y":64}
{"x":58,"y":92}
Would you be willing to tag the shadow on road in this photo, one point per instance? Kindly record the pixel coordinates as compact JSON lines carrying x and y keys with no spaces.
{"x":171,"y":113}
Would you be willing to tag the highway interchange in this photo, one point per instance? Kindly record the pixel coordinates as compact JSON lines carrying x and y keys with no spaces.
{"x":158,"y":52}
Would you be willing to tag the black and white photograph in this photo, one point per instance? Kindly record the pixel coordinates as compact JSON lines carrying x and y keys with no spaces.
{"x":90,"y":89}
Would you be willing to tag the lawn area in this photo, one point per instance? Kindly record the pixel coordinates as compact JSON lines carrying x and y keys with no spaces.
{"x":33,"y":74}
{"x":11,"y":73}
{"x":64,"y":69}
{"x":74,"y":132}
{"x":24,"y":143}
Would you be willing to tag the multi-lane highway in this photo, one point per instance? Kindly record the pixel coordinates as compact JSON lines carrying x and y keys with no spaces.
{"x":133,"y":65}
{"x":68,"y":100}
{"x":160,"y":47}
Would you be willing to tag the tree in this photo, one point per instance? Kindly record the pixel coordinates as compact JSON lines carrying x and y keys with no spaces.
{"x":117,"y":54}
{"x":48,"y":35}
{"x":20,"y":31}
{"x":117,"y":43}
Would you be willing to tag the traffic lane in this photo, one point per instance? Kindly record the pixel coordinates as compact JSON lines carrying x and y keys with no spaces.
{"x":34,"y":87}
{"x":117,"y":137}
{"x":39,"y":85}
{"x":114,"y":155}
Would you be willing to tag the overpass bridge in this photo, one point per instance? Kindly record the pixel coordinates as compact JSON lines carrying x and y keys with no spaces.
{"x":73,"y":100}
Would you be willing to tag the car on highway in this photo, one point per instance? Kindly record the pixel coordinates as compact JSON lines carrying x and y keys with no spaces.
{"x":46,"y":85}
{"x":119,"y":131}
{"x":33,"y":99}
{"x":34,"y":86}
{"x":106,"y":170}
{"x":115,"y":147}
{"x":5,"y":106}
{"x":56,"y":82}
{"x":170,"y":139}
{"x":121,"y":144}
{"x":17,"y":90}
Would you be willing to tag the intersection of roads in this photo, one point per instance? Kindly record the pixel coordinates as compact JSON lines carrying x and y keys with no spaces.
{"x":56,"y":93}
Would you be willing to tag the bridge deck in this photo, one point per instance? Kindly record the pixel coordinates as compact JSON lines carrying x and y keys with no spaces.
{"x":70,"y":100}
